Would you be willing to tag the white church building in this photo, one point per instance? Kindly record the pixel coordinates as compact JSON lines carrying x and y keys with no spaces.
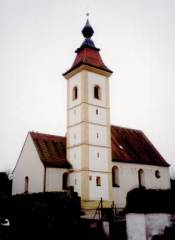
{"x":95,"y":159}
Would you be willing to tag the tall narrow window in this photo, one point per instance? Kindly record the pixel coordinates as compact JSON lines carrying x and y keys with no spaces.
{"x":26,"y":184}
{"x":98,"y":181}
{"x":75,"y":93}
{"x":75,"y":181}
{"x":65,"y":181}
{"x":115,"y":176}
{"x":141,"y":178}
{"x":97,"y":92}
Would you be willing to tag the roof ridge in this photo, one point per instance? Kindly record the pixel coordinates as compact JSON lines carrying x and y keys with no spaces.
{"x":46,"y":134}
{"x":127,"y":128}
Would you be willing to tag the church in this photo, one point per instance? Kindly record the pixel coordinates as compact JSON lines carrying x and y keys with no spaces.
{"x":95,"y":159}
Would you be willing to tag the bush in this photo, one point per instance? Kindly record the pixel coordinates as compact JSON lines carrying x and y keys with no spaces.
{"x":150,"y":201}
{"x":41,"y":214}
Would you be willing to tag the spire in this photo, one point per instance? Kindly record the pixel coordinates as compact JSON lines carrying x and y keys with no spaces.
{"x":87,"y":53}
{"x":87,"y":32}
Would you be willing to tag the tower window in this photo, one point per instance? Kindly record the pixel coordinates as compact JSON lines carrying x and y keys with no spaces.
{"x":98,"y":181}
{"x":97,"y":135}
{"x":141,"y":178}
{"x":115,"y":176}
{"x":75,"y":93}
{"x":26,"y":187}
{"x":96,"y":111}
{"x":98,"y":154}
{"x":97,"y":92}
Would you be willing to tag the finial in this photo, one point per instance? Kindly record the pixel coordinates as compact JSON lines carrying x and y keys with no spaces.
{"x":87,"y":14}
{"x":87,"y":31}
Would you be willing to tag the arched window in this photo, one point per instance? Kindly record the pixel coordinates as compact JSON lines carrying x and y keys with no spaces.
{"x":97,"y":92}
{"x":115,"y":176}
{"x":65,"y":181}
{"x":141,"y":178}
{"x":75,"y":93}
{"x":26,"y":184}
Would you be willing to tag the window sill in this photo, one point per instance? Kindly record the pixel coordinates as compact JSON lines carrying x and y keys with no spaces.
{"x":115,"y":185}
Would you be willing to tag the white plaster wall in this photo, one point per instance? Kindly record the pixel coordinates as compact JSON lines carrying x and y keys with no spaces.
{"x":145,"y":226}
{"x":98,"y":158}
{"x":98,"y":192}
{"x":160,"y":183}
{"x":102,"y":132}
{"x":101,"y":117}
{"x":71,"y":83}
{"x":74,"y":115}
{"x":128,"y":179}
{"x":54,"y":179}
{"x":135,"y":226}
{"x":156,"y":223}
{"x":29,"y":165}
{"x":102,"y":82}
{"x":75,"y":157}
{"x":75,"y":181}
{"x":74,"y":135}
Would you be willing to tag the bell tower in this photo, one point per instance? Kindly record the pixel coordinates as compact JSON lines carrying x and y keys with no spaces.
{"x":88,"y":124}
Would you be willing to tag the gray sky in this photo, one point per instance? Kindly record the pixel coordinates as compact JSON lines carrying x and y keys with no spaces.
{"x":37,"y":43}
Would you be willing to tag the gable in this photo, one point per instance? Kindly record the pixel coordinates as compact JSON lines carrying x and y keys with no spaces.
{"x":28,"y":165}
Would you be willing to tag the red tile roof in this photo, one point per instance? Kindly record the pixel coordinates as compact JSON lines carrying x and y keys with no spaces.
{"x":89,"y":56}
{"x":51,"y":149}
{"x":128,"y":146}
{"x":132,"y":146}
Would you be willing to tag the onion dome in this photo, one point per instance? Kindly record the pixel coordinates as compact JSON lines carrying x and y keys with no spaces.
{"x":87,"y":31}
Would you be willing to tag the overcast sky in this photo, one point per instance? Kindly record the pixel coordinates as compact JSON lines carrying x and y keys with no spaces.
{"x":37,"y":43}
